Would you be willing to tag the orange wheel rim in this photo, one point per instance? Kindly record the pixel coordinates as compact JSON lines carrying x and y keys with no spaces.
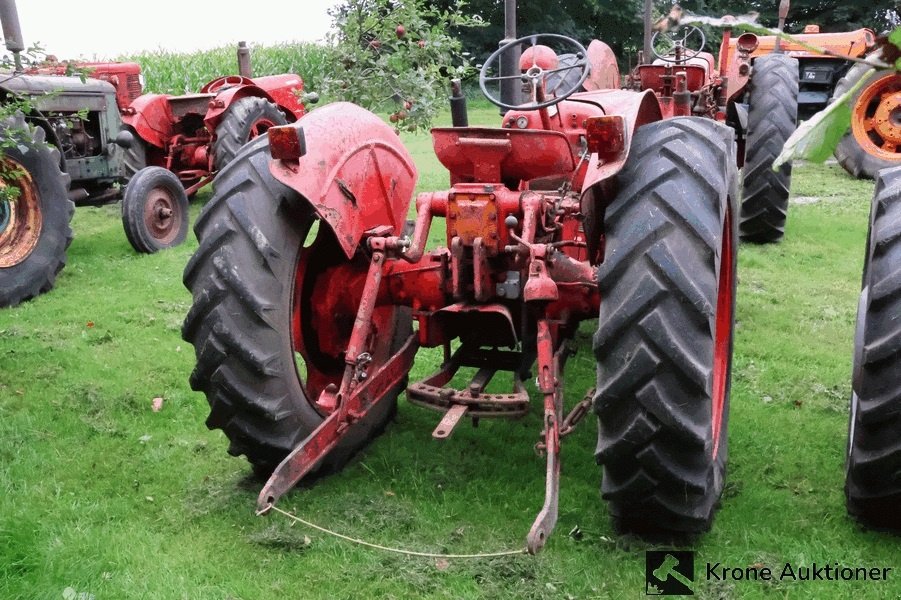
{"x":20,"y":216}
{"x":876,"y":118}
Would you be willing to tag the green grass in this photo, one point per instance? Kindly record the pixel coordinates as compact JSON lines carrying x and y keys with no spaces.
{"x":104,"y":496}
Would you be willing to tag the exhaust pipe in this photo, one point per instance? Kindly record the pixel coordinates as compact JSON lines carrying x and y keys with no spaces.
{"x":12,"y":31}
{"x":459,"y":116}
{"x":244,"y":69}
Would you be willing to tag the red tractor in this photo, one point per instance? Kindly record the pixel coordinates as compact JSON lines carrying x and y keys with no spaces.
{"x":71,"y":147}
{"x":182,"y":141}
{"x":582,"y":205}
{"x":756,"y":94}
{"x":173,"y":145}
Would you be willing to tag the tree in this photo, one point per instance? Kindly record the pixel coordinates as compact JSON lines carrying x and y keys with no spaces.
{"x":619,"y":22}
{"x":398,"y":55}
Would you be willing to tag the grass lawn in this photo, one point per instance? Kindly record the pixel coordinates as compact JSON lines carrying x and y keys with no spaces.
{"x":101,"y":497}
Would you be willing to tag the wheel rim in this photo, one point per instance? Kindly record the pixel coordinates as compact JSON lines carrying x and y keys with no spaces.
{"x":20,"y":218}
{"x":722,"y":349}
{"x":876,"y":120}
{"x":162,"y":216}
{"x":259,"y":127}
{"x":327,"y":292}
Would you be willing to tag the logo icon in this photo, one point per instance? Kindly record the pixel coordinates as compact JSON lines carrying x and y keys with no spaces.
{"x":669,"y":572}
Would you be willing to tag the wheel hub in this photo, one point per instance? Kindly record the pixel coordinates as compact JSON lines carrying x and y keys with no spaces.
{"x":160,"y":215}
{"x":20,"y":214}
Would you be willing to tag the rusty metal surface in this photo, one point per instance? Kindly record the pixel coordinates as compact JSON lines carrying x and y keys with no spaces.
{"x":432,"y":392}
{"x":305,"y":457}
{"x":849,"y":43}
{"x":549,"y":367}
{"x":22,"y":217}
{"x":449,"y":421}
{"x":162,"y":218}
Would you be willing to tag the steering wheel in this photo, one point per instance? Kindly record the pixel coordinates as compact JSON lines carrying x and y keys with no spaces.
{"x":535,"y":74}
{"x":664,"y":44}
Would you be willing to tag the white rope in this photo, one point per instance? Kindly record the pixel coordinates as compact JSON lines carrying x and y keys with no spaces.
{"x":294,"y":517}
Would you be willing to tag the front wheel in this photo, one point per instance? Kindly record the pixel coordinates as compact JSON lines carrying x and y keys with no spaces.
{"x":873,"y":465}
{"x":664,"y":338}
{"x":35,"y":212}
{"x":155,"y":210}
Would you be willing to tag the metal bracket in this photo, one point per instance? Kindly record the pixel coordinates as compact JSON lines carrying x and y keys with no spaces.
{"x":317,"y":445}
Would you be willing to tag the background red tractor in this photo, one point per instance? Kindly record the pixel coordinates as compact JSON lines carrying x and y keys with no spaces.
{"x":171,"y":145}
{"x":181,"y":141}
{"x":83,"y":153}
{"x":581,"y":205}
{"x":754,"y":92}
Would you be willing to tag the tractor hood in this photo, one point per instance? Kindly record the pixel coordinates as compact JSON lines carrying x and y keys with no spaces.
{"x":62,"y":93}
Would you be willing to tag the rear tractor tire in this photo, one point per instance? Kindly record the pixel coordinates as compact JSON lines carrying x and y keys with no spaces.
{"x":772,"y":117}
{"x":135,"y":156}
{"x":155,"y":210}
{"x":873,"y":467}
{"x":664,"y":338}
{"x":244,"y":120}
{"x":274,"y":304}
{"x":874,"y":139}
{"x":34,"y":219}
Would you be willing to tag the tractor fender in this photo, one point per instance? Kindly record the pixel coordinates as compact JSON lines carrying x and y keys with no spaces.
{"x":285,"y":90}
{"x":355,"y":173}
{"x":229,"y":90}
{"x":151,"y":118}
{"x":604,"y":73}
{"x":636,"y":109}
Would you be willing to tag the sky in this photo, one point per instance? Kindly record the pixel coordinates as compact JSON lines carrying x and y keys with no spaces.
{"x":107,"y":28}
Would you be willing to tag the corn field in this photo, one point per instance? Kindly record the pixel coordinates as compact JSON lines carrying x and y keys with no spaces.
{"x":182,"y":73}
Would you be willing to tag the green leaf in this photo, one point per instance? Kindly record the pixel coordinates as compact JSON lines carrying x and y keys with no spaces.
{"x":895,"y":37}
{"x":817,"y":137}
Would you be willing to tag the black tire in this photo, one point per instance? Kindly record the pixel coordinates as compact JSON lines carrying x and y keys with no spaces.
{"x":135,"y":157}
{"x":244,"y":120}
{"x":32,"y":252}
{"x":253,"y":237}
{"x":155,"y":210}
{"x":664,"y":338}
{"x":873,"y":466}
{"x":772,"y":117}
{"x":851,"y":155}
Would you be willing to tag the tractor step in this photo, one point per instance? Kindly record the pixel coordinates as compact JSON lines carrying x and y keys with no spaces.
{"x":472,"y":401}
